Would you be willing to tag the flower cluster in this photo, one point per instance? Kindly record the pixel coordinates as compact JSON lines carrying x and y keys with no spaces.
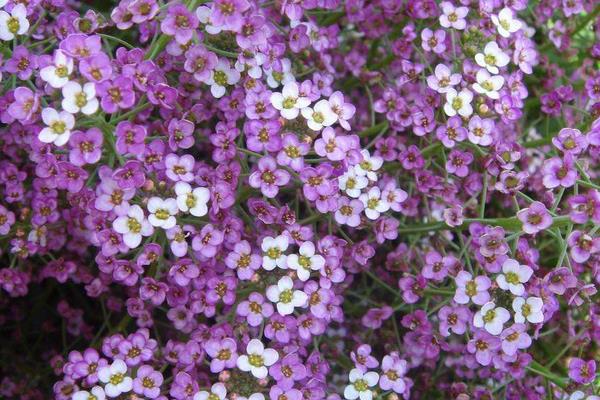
{"x":302,"y":199}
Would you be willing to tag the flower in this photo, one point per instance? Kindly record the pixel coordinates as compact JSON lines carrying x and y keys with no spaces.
{"x":368,"y":166}
{"x":453,"y":17}
{"x":217,"y":392}
{"x":223,"y":354}
{"x":581,"y":371}
{"x":57,"y":73}
{"x":268,"y":178}
{"x":58,"y":126}
{"x":483,"y":345}
{"x":491,"y":318}
{"x":514,"y":276}
{"x":306,"y":261}
{"x":373,"y":203}
{"x":515,"y":338}
{"x":132,"y":225}
{"x":352,"y":183}
{"x":13,"y":24}
{"x":458,"y":103}
{"x":221,"y":76}
{"x":273,"y":252}
{"x":528,"y":310}
{"x":193,"y":201}
{"x":319,"y":116}
{"x":505,"y":22}
{"x":162,"y":212}
{"x":115,"y":378}
{"x":78,"y":98}
{"x":488,"y":84}
{"x":95,"y":393}
{"x":535,"y":218}
{"x":147,"y":382}
{"x":468,"y":288}
{"x":289,"y":102}
{"x":257,"y":359}
{"x":443,"y":79}
{"x":359,"y":385}
{"x":285,"y":297}
{"x":492,"y":58}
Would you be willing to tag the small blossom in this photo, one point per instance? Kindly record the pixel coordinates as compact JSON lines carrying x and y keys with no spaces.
{"x":257,"y":359}
{"x":528,"y":310}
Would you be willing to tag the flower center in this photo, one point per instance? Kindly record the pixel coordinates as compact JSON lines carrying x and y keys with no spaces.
{"x":489,"y":316}
{"x":286,"y":296}
{"x":512,"y":277}
{"x":256,"y":360}
{"x":58,"y":127}
{"x":134,"y":225}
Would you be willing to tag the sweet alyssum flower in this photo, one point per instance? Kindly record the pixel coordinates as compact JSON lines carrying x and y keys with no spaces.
{"x":162,"y":212}
{"x":132,"y":224}
{"x":285,"y":297}
{"x":513,"y":276}
{"x":505,"y":22}
{"x":535,"y":218}
{"x":458,"y":103}
{"x":373,"y":203}
{"x":352,"y":183}
{"x":491,"y":318}
{"x":492,"y":58}
{"x":320,"y":115}
{"x":453,"y":17}
{"x":488,"y":84}
{"x":14,"y":23}
{"x":115,"y":378}
{"x":217,"y":392}
{"x":472,"y":289}
{"x":289,"y":102}
{"x":529,"y":309}
{"x":360,"y":384}
{"x":58,"y":126}
{"x":57,"y":74}
{"x":257,"y":359}
{"x":194,"y":201}
{"x":77,"y":98}
{"x":306,"y":261}
{"x":274,"y":252}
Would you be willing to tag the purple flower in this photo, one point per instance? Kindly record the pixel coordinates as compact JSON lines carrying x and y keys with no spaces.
{"x":268,"y":178}
{"x":453,"y":319}
{"x":515,"y":338}
{"x":223,"y":354}
{"x":581,"y":371}
{"x":180,"y":23}
{"x":255,"y":309}
{"x":535,"y":218}
{"x":26,"y":103}
{"x":147,"y":382}
{"x":86,"y":147}
{"x":116,"y":94}
{"x":484,"y":346}
{"x":207,"y":241}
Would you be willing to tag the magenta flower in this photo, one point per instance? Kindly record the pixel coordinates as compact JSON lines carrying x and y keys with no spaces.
{"x":86,"y":147}
{"x":268,"y":178}
{"x":535,"y":218}
{"x":581,"y":371}
{"x":180,"y":23}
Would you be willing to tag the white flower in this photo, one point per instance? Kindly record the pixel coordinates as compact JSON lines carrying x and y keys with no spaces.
{"x":506,"y":23}
{"x":273,"y":250}
{"x":359,"y":385}
{"x":276,"y":78}
{"x":488,"y":84}
{"x":253,"y":396}
{"x":514,"y":276}
{"x":203,"y":13}
{"x":95,"y":393}
{"x":368,"y":166}
{"x":491,"y":318}
{"x":59,"y":125}
{"x":530,"y":310}
{"x":306,"y":261}
{"x":284,"y":295}
{"x":453,"y":17}
{"x":162,"y":212}
{"x":374,"y":203}
{"x":257,"y":359}
{"x":352,"y":183}
{"x":492,"y":58}
{"x":320,"y":116}
{"x":579,"y":395}
{"x":77,"y":98}
{"x":192,"y":201}
{"x":115,"y":379}
{"x":132,"y":226}
{"x":57,"y":73}
{"x":443,"y":79}
{"x":289,"y":101}
{"x":222,"y":76}
{"x":13,"y":24}
{"x":217,"y":392}
{"x":458,"y":103}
